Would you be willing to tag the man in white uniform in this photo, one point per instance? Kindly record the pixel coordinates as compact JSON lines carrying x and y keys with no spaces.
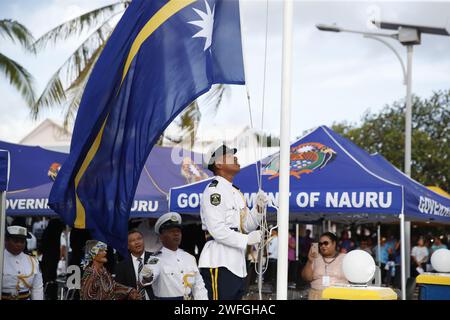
{"x":172,"y":272}
{"x":22,"y":279}
{"x":230,"y":226}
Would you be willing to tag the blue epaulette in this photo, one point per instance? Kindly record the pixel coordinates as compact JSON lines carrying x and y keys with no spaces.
{"x":213,"y":183}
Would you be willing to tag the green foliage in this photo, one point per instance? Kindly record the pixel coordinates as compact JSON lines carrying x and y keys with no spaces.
{"x":65,"y":88}
{"x":17,"y":75}
{"x":383,"y":132}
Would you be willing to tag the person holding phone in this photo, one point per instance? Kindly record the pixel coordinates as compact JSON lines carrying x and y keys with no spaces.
{"x":324,"y":266}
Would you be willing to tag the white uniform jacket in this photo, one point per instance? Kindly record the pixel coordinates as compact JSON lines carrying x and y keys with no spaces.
{"x":21,"y":274}
{"x":175,"y":274}
{"x":227,"y":219}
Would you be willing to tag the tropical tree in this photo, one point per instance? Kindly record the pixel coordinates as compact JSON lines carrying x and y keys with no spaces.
{"x":66,"y":86}
{"x":17,"y":75}
{"x":383,"y":132}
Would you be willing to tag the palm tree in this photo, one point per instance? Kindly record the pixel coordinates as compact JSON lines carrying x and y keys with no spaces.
{"x":17,"y":75}
{"x":67,"y":84}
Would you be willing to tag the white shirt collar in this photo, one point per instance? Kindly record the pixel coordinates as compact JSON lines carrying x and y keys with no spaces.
{"x":7,"y":253}
{"x":219,"y":178}
{"x":135,"y":258}
{"x":168,"y":251}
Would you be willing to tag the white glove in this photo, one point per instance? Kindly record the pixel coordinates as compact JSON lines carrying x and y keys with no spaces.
{"x":262,"y":199}
{"x":147,"y":271}
{"x":254,"y":237}
{"x":146,"y":275}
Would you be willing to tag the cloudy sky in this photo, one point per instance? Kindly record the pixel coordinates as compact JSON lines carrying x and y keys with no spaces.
{"x":336,"y":76}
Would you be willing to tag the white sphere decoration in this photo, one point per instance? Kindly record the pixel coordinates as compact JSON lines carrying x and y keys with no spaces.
{"x":358,"y":266}
{"x":440,"y":260}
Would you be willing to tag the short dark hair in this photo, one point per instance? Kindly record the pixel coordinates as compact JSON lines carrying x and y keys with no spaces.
{"x":212,"y":167}
{"x":330,"y":235}
{"x":135,"y":231}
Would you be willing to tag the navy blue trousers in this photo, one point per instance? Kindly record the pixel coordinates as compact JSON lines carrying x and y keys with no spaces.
{"x":222,"y":284}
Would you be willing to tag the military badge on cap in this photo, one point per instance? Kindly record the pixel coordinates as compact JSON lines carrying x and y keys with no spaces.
{"x":215,"y":199}
{"x":168,"y":220}
{"x":17,"y":232}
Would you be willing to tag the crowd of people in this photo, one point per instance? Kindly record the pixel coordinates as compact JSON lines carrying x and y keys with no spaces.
{"x":210,"y":264}
{"x":51,"y":244}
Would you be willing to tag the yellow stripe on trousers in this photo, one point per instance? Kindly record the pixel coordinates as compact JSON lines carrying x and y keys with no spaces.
{"x":217,"y":289}
{"x":168,"y":10}
{"x":214,"y":275}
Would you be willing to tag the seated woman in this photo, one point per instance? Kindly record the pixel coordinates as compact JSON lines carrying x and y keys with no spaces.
{"x":97,"y":283}
{"x":324,"y":269}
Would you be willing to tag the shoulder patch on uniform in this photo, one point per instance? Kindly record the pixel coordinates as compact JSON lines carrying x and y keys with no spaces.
{"x":213,"y":183}
{"x":153,"y":260}
{"x":215,"y":199}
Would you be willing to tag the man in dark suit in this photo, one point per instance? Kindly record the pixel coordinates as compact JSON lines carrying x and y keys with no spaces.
{"x":127,"y":271}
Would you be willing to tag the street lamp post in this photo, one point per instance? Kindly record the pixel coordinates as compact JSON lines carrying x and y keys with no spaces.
{"x":407,"y":35}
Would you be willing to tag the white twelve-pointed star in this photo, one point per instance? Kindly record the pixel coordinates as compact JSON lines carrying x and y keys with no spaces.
{"x":206,"y":25}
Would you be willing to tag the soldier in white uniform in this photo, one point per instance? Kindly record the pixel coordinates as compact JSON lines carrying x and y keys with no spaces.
{"x":230,"y":226}
{"x":172,"y":272}
{"x":22,"y":279}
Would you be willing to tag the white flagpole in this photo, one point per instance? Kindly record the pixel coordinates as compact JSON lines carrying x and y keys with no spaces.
{"x":283,"y":212}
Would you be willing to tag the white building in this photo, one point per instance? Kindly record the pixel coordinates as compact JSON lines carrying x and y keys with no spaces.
{"x":49,"y":135}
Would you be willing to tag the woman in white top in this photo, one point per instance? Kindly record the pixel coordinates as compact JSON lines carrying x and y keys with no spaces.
{"x":419,"y":257}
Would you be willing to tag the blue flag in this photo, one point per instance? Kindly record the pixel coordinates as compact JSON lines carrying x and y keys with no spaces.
{"x":161,"y":56}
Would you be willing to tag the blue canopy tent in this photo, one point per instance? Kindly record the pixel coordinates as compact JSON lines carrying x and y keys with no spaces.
{"x":421,"y":203}
{"x":31,"y":166}
{"x":165,"y":167}
{"x":332,"y":178}
{"x":328,"y":180}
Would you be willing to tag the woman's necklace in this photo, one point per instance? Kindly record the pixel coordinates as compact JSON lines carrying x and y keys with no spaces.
{"x":329,"y":262}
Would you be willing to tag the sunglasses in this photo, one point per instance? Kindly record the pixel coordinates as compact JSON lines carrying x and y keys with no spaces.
{"x":325,"y":243}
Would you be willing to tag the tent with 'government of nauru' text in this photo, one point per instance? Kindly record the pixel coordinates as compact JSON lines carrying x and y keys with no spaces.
{"x":331,"y":178}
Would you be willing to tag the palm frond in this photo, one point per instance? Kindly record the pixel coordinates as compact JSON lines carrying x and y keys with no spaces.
{"x":76,"y":88}
{"x":19,"y":78}
{"x":72,"y":68}
{"x":53,"y":94}
{"x":17,"y":32}
{"x":80,"y":24}
{"x":214,"y":98}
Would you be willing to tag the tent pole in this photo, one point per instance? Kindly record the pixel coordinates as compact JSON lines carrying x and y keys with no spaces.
{"x":403,"y":254}
{"x":297,"y":236}
{"x":379,"y":245}
{"x":2,"y":234}
{"x":285,"y":117}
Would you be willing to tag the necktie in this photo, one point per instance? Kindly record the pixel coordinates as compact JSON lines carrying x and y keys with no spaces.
{"x":140,"y":288}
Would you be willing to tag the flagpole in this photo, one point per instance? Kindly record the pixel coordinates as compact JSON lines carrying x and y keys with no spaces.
{"x":283,"y":212}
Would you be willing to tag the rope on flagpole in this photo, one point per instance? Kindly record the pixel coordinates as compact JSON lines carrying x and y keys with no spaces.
{"x":260,"y":264}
